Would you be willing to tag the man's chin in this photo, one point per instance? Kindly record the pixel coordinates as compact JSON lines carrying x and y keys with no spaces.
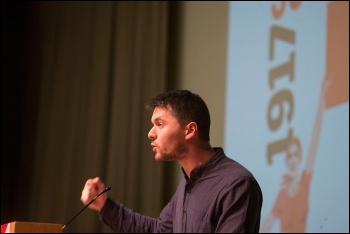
{"x":160,"y":158}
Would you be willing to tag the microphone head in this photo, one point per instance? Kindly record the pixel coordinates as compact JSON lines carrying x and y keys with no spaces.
{"x":108,"y":188}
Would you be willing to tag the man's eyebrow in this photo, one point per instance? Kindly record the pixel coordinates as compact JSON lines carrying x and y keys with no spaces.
{"x":157,"y":119}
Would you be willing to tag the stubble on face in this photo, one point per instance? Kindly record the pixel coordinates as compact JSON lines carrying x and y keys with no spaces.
{"x":179,"y":152}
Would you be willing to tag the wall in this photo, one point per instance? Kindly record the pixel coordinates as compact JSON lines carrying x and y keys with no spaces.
{"x":202,"y":60}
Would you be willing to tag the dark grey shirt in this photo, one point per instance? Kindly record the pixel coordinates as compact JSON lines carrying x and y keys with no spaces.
{"x":220,"y":196}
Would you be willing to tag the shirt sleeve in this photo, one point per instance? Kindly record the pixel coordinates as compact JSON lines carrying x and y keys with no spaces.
{"x":124,"y":220}
{"x":241,"y":206}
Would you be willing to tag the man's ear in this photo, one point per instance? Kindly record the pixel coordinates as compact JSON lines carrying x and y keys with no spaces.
{"x":191,"y":130}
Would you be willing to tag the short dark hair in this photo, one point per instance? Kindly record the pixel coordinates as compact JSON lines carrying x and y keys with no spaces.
{"x":187,"y":107}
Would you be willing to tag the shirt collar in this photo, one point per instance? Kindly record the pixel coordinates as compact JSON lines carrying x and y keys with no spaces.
{"x":197,"y":172}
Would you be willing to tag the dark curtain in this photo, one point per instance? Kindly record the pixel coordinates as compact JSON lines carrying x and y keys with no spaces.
{"x":75,"y":79}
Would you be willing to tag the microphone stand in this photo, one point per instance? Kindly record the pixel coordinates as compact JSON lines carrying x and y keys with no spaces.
{"x":105,"y":190}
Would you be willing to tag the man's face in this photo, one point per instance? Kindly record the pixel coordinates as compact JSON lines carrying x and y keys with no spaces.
{"x":168,"y":137}
{"x":293,"y":158}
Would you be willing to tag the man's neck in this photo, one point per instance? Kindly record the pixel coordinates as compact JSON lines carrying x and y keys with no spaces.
{"x":196,"y":158}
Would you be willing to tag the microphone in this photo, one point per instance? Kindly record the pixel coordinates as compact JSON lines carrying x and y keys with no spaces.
{"x":105,"y":190}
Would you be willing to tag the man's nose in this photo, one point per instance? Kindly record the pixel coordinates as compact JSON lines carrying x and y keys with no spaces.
{"x":151,"y":134}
